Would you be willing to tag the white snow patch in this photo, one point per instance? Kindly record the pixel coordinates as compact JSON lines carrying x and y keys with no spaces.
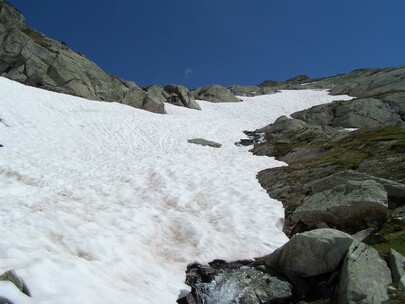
{"x":104,"y":203}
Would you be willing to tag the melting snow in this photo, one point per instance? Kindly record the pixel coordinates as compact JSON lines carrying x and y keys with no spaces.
{"x":104,"y":203}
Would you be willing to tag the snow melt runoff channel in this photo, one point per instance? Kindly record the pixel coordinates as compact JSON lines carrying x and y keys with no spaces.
{"x":101,"y":202}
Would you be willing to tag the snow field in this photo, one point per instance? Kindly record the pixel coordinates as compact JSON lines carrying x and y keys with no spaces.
{"x":104,"y":203}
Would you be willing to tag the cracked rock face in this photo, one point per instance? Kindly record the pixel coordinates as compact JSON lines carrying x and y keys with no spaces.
{"x":31,"y":58}
{"x":364,"y":277}
{"x":350,"y":206}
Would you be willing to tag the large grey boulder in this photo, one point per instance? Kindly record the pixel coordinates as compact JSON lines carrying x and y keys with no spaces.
{"x":181,"y":96}
{"x":215,"y":93}
{"x":29,"y":57}
{"x":396,"y":262}
{"x":364,"y":277}
{"x":350,"y":206}
{"x":310,"y":253}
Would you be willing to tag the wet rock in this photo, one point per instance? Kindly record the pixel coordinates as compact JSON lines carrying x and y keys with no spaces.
{"x":364,"y":277}
{"x":254,"y":137}
{"x":236,"y":284}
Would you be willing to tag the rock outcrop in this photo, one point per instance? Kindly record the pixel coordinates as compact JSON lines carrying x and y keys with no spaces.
{"x":382,"y":83}
{"x":350,"y":206}
{"x":204,"y":142}
{"x":181,"y":96}
{"x":29,"y":57}
{"x":174,"y":94}
{"x":289,"y":139}
{"x":239,"y":90}
{"x":359,"y":113}
{"x":367,"y":154}
{"x":215,"y":93}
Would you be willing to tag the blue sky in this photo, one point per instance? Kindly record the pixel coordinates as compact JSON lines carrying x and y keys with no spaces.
{"x":197,"y":43}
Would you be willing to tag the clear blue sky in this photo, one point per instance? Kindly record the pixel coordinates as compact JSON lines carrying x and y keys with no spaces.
{"x":196,"y":43}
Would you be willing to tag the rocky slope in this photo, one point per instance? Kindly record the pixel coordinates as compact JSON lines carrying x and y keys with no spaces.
{"x":344,"y":189}
{"x":30,"y":57}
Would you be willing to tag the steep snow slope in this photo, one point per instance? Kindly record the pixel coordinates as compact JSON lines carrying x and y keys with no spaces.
{"x":104,"y":203}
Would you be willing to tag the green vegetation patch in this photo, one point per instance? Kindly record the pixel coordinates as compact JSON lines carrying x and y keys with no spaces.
{"x":394,"y":233}
{"x":395,"y":296}
{"x":352,"y":150}
{"x":38,"y":38}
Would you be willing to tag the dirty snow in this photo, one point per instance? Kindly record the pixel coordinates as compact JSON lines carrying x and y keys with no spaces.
{"x":104,"y":203}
